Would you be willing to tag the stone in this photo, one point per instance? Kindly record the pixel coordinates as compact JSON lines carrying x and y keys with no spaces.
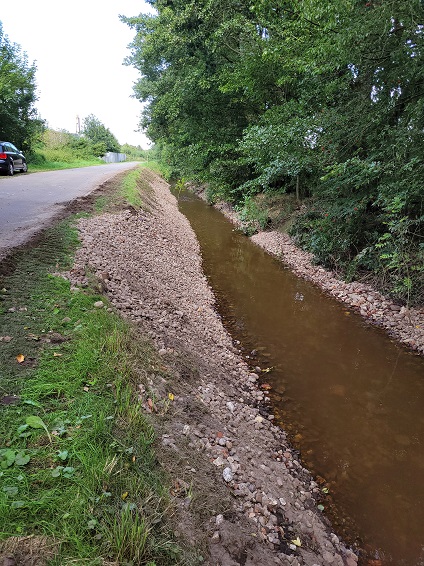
{"x":227,"y":474}
{"x":328,"y":557}
{"x":230,"y":406}
{"x":219,"y":520}
{"x":99,"y":304}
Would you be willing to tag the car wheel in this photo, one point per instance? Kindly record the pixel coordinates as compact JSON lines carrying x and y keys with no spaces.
{"x":24,"y":167}
{"x":10,"y":168}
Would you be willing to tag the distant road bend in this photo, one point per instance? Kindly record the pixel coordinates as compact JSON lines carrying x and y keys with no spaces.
{"x":28,"y":203}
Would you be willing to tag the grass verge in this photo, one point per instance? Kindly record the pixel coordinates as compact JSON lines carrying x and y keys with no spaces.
{"x":78,"y":471}
{"x":55,"y":165}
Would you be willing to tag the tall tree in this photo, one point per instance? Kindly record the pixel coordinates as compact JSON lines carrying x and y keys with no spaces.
{"x":321,"y":97}
{"x":97,"y":133}
{"x":18,"y":115}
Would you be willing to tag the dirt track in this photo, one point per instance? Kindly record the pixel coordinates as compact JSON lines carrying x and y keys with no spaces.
{"x":252,"y":503}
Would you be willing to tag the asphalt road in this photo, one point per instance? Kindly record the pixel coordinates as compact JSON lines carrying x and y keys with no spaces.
{"x":29,"y":202}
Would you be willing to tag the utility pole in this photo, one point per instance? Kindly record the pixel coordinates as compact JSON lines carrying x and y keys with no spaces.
{"x":78,"y":126}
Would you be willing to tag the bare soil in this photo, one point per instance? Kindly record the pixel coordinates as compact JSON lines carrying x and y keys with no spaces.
{"x":240,"y":491}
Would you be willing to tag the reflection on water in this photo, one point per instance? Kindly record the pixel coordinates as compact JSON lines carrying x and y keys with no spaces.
{"x":352,"y":400}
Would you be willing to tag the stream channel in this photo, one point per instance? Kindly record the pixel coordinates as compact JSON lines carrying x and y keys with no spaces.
{"x":350,"y":399}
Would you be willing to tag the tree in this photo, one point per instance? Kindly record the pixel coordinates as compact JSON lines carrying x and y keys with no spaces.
{"x":97,"y":133}
{"x":195,"y":121}
{"x":321,"y":97}
{"x":18,"y":116}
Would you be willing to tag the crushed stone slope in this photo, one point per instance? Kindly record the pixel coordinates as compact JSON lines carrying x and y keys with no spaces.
{"x":150,"y":266}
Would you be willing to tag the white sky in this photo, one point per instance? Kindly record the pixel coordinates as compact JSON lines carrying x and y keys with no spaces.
{"x":79,"y":48}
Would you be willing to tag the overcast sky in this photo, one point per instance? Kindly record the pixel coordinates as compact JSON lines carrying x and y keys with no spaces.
{"x":79,"y":48}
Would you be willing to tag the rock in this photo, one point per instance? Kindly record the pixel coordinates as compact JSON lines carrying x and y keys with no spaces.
{"x":328,"y":557}
{"x":219,"y":520}
{"x":230,"y":406}
{"x":219,"y":461}
{"x":215,"y":537}
{"x":99,"y":304}
{"x":228,"y":475}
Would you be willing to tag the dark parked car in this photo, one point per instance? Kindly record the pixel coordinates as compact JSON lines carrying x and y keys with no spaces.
{"x":11,"y":159}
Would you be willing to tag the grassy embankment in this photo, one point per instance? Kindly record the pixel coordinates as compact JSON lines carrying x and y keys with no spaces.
{"x":78,"y":470}
{"x":62,"y":150}
{"x":37,"y":166}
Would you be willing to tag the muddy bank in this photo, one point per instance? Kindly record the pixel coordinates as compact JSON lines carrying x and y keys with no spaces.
{"x":256,"y":504}
{"x":404,"y":324}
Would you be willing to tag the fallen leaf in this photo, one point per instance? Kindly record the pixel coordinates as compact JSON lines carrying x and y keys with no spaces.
{"x":124,"y":495}
{"x":296,"y":542}
{"x":150,"y":403}
{"x":85,"y":388}
{"x":171,"y":396}
{"x":266,"y":386}
{"x":20,"y":358}
{"x":6,"y":338}
{"x":57,"y":355}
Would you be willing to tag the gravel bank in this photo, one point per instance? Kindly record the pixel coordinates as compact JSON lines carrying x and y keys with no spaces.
{"x":150,"y":266}
{"x":404,"y":324}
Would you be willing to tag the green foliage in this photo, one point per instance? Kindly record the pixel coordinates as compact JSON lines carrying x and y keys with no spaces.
{"x":321,"y":99}
{"x":19,"y":122}
{"x":60,"y":149}
{"x":252,"y":217}
{"x":99,"y":135}
{"x":134,"y":153}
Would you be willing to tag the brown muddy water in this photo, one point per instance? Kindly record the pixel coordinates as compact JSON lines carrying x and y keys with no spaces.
{"x":351,"y":399}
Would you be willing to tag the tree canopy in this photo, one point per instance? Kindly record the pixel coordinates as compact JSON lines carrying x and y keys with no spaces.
{"x":18,"y":116}
{"x":321,"y":97}
{"x":97,"y":133}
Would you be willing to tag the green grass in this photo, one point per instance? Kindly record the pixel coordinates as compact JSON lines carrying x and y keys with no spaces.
{"x":51,"y":161}
{"x":156,"y":167}
{"x":130,"y":189}
{"x":83,"y":472}
{"x":56,"y":165}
